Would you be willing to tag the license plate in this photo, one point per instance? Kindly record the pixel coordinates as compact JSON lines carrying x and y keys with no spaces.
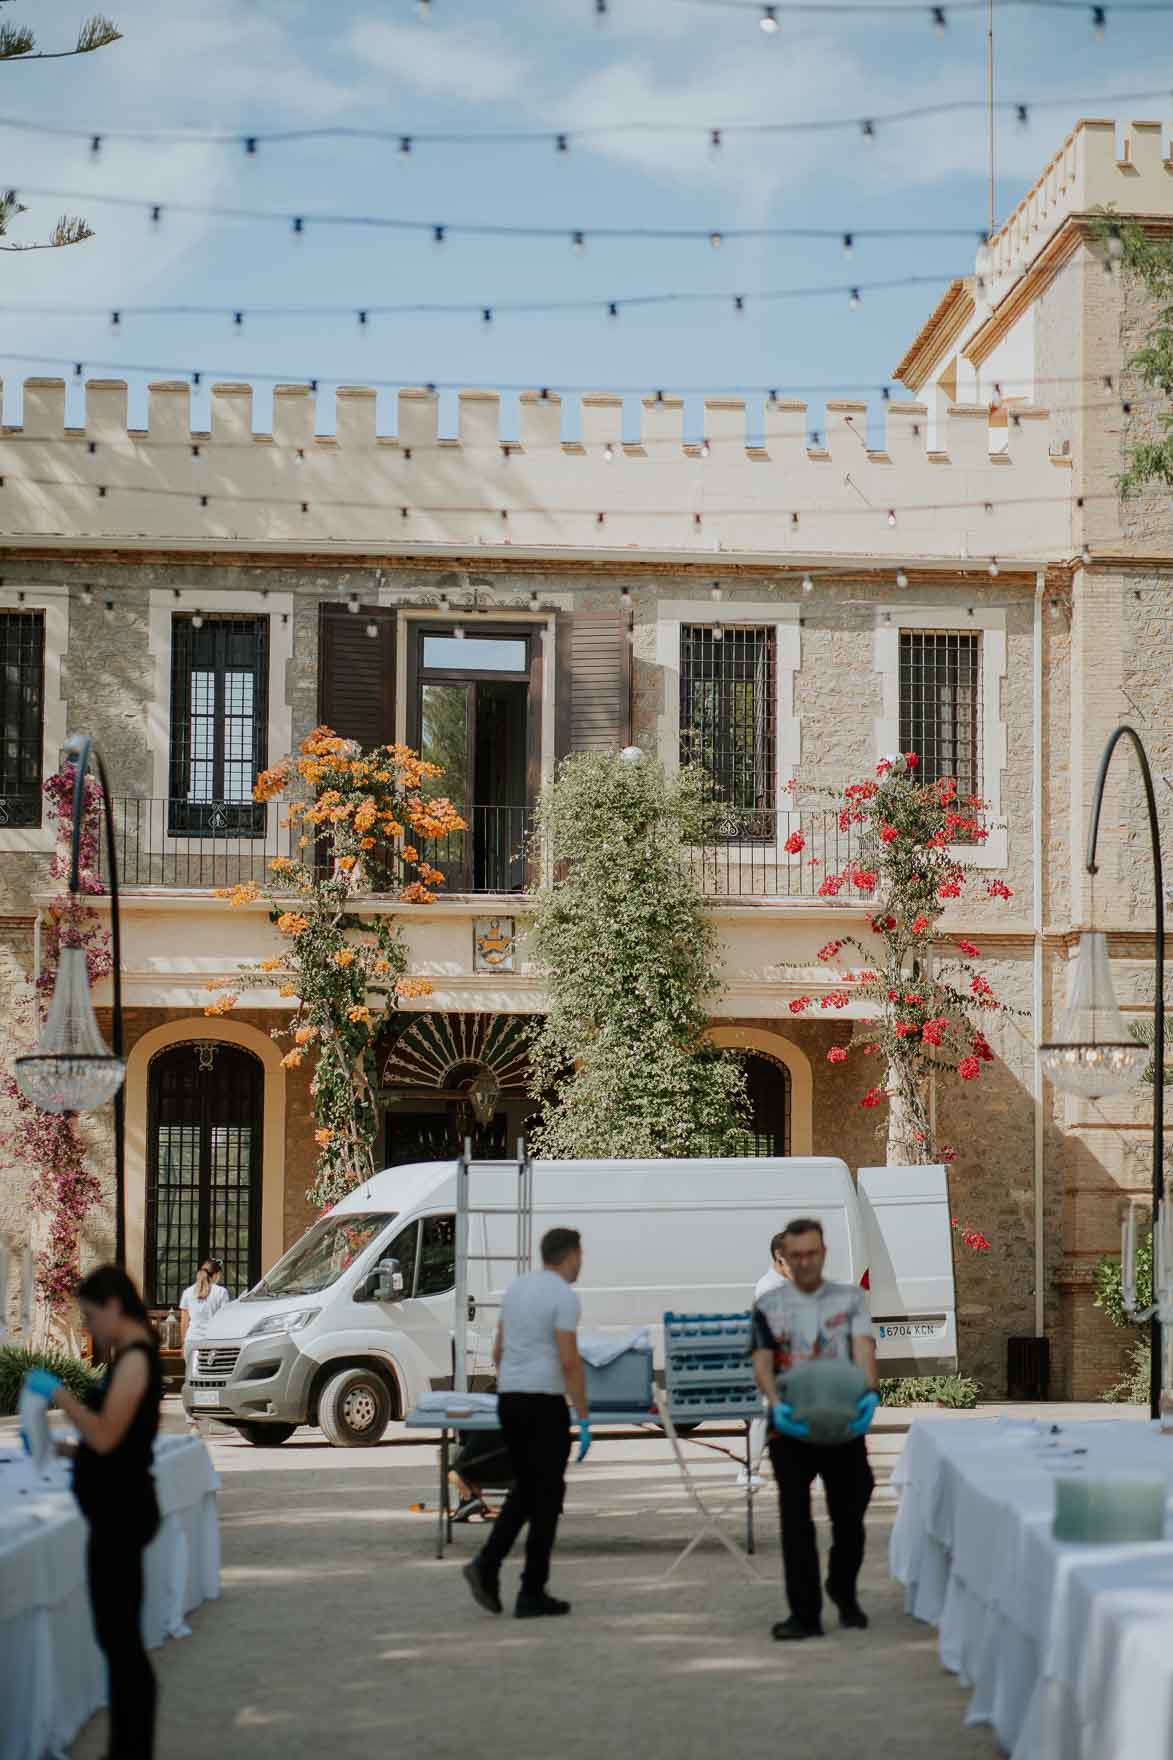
{"x":206,"y":1396}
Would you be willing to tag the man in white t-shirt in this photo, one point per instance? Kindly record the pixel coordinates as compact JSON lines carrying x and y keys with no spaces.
{"x":538,"y":1370}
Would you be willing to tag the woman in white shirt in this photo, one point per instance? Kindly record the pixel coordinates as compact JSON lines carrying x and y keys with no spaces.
{"x":197,"y":1305}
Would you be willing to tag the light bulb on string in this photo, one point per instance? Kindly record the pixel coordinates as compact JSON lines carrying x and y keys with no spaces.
{"x":992,"y":568}
{"x":612,"y":309}
{"x":715,"y":139}
{"x":197,"y":618}
{"x":848,"y":244}
{"x":424,"y":8}
{"x":156,"y":213}
{"x":939,"y":20}
{"x":608,"y":452}
{"x":438,"y":234}
{"x":808,"y":585}
{"x":561,"y":143}
{"x":1099,"y":21}
{"x":715,"y":592}
{"x":404,"y":148}
{"x":768,"y":22}
{"x":853,"y":300}
{"x":108,"y":608}
{"x":704,"y":449}
{"x":352,"y":604}
{"x":1115,"y":245}
{"x":718,"y":633}
{"x":716,"y":240}
{"x":458,"y":631}
{"x":1022,"y":116}
{"x":1085,"y":555}
{"x":901,"y":579}
{"x":534,"y":602}
{"x":578,"y":242}
{"x":625,"y":598}
{"x":87,"y":597}
{"x":868,"y":130}
{"x":739,"y":304}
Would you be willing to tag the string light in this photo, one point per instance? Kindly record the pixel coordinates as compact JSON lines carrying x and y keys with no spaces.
{"x":1022,"y":116}
{"x":853,"y":301}
{"x":108,"y":608}
{"x":404,"y":145}
{"x":458,"y":631}
{"x":715,"y":592}
{"x":716,"y":240}
{"x":352,"y":604}
{"x":848,"y":244}
{"x":578,"y":241}
{"x":704,"y":449}
{"x":534,"y":602}
{"x":992,"y":568}
{"x":561,"y":143}
{"x":891,"y":516}
{"x":87,"y":597}
{"x":197,"y":617}
{"x":739,"y":304}
{"x":372,"y":629}
{"x":1099,"y":20}
{"x":625,"y":598}
{"x":424,"y":8}
{"x":939,"y":20}
{"x":901,"y":579}
{"x":768,"y":22}
{"x":715,"y":139}
{"x":718,"y":633}
{"x":868,"y":130}
{"x":156,"y":213}
{"x":808,"y":585}
{"x":608,"y":452}
{"x":1085,"y":555}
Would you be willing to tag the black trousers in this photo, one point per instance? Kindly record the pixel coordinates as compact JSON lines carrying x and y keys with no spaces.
{"x":847,"y":1482}
{"x":114,"y":1568}
{"x":536,"y":1427}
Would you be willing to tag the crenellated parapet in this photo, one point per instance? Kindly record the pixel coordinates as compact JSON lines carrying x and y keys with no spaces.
{"x":577,"y":476}
{"x":1090,"y":171}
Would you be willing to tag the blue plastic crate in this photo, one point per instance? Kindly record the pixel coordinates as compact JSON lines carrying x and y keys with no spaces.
{"x":622,"y":1386}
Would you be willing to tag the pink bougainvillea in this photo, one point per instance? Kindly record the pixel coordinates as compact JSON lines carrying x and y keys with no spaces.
{"x":63,"y":1184}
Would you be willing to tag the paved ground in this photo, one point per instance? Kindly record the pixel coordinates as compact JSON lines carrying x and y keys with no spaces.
{"x":338,"y":1630}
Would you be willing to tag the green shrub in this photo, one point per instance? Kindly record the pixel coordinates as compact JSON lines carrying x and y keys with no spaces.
{"x":16,"y":1362}
{"x":1134,"y":1388}
{"x":1108,"y":1285}
{"x":958,"y":1391}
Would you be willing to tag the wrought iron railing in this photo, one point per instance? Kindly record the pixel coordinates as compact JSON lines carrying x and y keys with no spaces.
{"x":229,"y":845}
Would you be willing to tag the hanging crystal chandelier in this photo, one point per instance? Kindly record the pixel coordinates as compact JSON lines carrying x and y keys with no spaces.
{"x":1092,"y":1055}
{"x":72,"y":1069}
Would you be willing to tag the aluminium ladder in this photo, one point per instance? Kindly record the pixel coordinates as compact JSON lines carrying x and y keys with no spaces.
{"x":522,"y":1210}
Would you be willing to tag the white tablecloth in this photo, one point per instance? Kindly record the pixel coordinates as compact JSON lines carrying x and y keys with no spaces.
{"x":52,"y":1677}
{"x":1061,"y":1644}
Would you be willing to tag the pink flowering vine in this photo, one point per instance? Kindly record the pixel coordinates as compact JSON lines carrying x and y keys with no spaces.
{"x":63,"y":1183}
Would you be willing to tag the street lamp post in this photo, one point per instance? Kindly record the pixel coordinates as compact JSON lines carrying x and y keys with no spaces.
{"x":1093,"y":1056}
{"x":71,"y":1069}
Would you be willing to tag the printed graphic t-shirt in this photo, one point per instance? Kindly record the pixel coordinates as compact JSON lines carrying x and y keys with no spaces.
{"x":797,"y":1327}
{"x":535,"y":1307}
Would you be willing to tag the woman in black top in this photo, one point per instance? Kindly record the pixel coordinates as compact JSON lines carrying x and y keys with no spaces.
{"x":113,"y":1484}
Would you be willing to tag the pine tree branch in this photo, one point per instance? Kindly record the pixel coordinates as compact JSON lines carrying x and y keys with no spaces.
{"x":70,"y":229}
{"x":17,"y":42}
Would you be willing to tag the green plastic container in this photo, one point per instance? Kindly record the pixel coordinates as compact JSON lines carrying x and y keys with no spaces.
{"x":824,"y":1393}
{"x":1107,"y":1512}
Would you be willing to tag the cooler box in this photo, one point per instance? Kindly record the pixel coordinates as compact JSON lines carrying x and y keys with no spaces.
{"x":624,"y":1385}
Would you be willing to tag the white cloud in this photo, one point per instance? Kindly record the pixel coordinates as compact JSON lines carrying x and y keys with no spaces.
{"x":447,"y":63}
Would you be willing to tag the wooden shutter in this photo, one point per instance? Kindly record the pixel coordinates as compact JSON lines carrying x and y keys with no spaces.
{"x":356,"y":673}
{"x":593,"y":683}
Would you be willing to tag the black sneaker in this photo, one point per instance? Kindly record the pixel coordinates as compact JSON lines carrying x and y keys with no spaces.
{"x":484,"y":1590}
{"x":538,"y":1606}
{"x":792,"y":1630}
{"x":851,"y":1614}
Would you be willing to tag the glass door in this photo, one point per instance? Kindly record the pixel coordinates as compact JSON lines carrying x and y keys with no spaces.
{"x":476,"y":721}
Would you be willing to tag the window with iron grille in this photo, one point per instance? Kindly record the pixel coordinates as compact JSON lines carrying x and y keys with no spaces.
{"x":940,"y":705}
{"x":727,"y":720}
{"x":22,"y":706}
{"x":219,"y":716}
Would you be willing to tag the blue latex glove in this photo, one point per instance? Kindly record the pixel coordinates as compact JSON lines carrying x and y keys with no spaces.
{"x":786,"y":1424}
{"x":868,"y":1404}
{"x":42,"y":1382}
{"x":584,"y":1439}
{"x":27,"y":1445}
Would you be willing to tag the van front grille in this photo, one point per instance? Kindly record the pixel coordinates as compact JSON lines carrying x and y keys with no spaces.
{"x":216,"y":1359}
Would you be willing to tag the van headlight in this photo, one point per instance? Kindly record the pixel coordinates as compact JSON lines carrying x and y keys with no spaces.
{"x":285,"y":1322}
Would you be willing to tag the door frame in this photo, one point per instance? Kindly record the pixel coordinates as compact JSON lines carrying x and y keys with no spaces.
{"x":205,"y":1125}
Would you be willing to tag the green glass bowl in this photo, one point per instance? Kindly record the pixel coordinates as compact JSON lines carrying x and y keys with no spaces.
{"x":824,"y":1393}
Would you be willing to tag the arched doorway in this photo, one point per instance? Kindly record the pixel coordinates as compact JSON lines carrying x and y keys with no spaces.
{"x":767,"y":1083}
{"x":205,"y":1105}
{"x":450,"y":1076}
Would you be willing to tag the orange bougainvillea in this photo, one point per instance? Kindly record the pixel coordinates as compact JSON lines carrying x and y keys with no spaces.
{"x":367,"y":822}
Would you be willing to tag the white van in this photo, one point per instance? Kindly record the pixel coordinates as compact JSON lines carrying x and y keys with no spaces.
{"x":336,"y":1335}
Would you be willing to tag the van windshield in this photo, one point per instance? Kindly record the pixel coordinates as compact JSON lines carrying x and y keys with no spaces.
{"x":320,"y":1257}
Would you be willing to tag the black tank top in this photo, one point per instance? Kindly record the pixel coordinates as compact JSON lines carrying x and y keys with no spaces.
{"x":120,"y":1484}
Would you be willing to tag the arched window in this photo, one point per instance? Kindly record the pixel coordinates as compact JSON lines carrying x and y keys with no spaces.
{"x":204,"y":1167}
{"x":767,"y":1082}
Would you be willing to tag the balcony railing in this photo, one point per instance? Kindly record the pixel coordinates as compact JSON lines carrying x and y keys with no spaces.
{"x":230,"y":844}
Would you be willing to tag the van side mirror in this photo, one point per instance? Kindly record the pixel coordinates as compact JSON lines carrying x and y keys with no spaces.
{"x":383,"y":1284}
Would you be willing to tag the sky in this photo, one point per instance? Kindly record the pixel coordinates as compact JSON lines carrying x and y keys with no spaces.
{"x":242,"y":67}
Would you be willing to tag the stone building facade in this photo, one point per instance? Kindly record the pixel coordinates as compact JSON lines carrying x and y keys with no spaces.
{"x":198,"y":597}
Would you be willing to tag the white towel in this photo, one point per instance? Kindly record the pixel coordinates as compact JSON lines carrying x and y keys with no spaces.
{"x":600,"y":1348}
{"x":445,"y":1400}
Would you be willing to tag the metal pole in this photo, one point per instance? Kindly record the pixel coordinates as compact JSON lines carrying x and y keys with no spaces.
{"x":990,"y":103}
{"x":460,"y":1318}
{"x":1130,"y":733}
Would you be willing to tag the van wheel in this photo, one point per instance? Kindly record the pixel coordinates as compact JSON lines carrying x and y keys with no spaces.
{"x":354,"y":1408}
{"x":266,"y":1435}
